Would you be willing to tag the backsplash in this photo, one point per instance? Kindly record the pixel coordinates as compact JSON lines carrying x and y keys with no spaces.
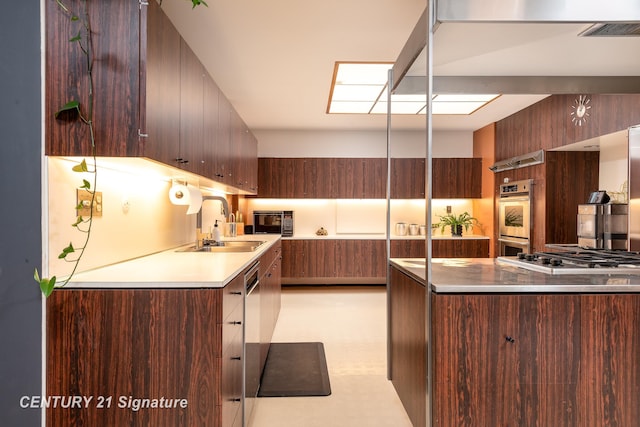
{"x":356,"y":216}
{"x":137,"y":217}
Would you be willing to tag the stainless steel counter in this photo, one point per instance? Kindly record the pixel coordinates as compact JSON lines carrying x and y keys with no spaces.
{"x":482,"y":275}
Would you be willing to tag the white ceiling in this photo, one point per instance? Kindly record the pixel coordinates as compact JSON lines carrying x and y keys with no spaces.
{"x":274,"y":60}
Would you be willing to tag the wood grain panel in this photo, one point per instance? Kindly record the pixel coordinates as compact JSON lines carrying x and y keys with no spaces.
{"x":505,"y":347}
{"x":610,"y":367}
{"x":570,"y":177}
{"x":457,"y":178}
{"x":408,"y":248}
{"x":162,"y":113}
{"x":407,"y":344}
{"x":547,"y":123}
{"x":408,"y":178}
{"x":139,"y":343}
{"x":460,"y":248}
{"x":115,"y":30}
{"x":317,"y":178}
{"x":191,"y":111}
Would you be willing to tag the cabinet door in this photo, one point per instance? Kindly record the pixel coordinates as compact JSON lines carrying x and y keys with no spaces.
{"x":348,"y":178}
{"x":408,"y":248}
{"x":292,"y":258}
{"x":210,"y":128}
{"x":223,"y":144}
{"x":506,"y":359}
{"x":375,"y":178}
{"x":360,"y":258}
{"x":457,"y":178}
{"x":191,"y":111}
{"x":407,"y":311}
{"x":460,"y":248}
{"x":610,"y":367}
{"x":116,"y":61}
{"x":407,"y":178}
{"x":318,"y":178}
{"x":249,"y":162}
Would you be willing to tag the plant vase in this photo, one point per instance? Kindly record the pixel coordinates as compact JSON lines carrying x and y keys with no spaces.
{"x":456,"y":230}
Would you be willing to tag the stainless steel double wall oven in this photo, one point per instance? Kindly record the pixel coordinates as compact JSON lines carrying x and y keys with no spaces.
{"x":515,"y":217}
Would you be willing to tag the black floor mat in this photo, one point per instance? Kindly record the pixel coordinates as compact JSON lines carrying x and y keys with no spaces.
{"x":295,"y":369}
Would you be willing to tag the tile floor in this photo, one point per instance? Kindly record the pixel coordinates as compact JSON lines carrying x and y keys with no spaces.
{"x":351,"y":323}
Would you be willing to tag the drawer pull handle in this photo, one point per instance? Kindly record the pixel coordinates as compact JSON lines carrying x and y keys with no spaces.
{"x":510,"y":339}
{"x":236,"y":358}
{"x":236,"y":293}
{"x":236,"y":399}
{"x":236,"y":322}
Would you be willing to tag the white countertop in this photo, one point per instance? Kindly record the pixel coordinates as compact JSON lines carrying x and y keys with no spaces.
{"x":174,"y":269}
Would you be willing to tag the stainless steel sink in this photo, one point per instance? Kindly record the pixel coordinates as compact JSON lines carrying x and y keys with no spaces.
{"x":227,"y":246}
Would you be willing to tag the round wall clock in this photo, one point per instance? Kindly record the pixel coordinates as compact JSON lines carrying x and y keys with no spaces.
{"x":580,"y":110}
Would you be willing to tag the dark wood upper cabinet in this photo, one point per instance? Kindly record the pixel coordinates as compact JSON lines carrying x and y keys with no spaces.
{"x":210,"y":129}
{"x":115,"y":59}
{"x":190,"y":154}
{"x":366,"y":178}
{"x":152,"y":96}
{"x":159,"y":91}
{"x":457,"y":178}
{"x":408,"y":178}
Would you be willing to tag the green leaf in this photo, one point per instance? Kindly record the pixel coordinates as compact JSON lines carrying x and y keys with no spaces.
{"x":77,"y":37}
{"x":66,"y":251}
{"x":46,"y":285}
{"x":198,"y":3}
{"x":81,"y":167}
{"x":71,"y":105}
{"x":75,"y":18}
{"x":86,"y":184}
{"x":79,"y":219}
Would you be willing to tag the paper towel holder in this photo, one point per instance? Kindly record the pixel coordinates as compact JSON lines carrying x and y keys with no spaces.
{"x":179,"y":181}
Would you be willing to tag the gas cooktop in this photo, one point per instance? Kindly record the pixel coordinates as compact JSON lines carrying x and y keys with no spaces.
{"x":578,"y":261}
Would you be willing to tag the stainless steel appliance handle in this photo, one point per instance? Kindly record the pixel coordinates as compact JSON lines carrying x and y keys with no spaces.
{"x":514,"y":199}
{"x":252,"y":278}
{"x":515,"y":242}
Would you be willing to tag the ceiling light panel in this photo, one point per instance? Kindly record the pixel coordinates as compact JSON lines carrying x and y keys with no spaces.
{"x":361,"y":88}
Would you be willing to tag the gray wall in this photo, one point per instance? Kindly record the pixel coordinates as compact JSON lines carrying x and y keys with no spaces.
{"x":20,"y":215}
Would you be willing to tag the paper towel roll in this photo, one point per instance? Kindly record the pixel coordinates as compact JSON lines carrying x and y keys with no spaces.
{"x":186,"y":195}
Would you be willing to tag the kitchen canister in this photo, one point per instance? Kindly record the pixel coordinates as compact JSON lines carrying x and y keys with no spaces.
{"x":401,"y":228}
{"x":423,"y":230}
{"x":413,"y":229}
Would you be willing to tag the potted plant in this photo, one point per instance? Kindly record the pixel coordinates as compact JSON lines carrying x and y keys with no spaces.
{"x":456,"y":222}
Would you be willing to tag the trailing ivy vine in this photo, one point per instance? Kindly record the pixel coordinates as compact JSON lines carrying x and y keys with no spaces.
{"x":81,"y":40}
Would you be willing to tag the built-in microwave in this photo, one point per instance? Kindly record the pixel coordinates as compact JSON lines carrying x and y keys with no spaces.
{"x":273,"y":222}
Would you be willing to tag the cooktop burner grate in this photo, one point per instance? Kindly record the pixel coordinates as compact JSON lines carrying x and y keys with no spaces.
{"x":589,"y":258}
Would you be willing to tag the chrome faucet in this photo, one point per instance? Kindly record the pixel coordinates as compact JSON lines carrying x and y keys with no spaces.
{"x":200,"y":239}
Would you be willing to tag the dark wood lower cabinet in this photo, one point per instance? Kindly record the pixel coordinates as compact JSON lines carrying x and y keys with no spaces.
{"x":506,"y":360}
{"x":174,"y":347}
{"x":517,"y":359}
{"x":609,"y":381}
{"x":408,"y":350}
{"x":441,"y":248}
{"x":333,"y":261}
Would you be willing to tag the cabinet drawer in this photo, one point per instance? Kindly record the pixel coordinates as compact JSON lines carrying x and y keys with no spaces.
{"x":231,"y":387}
{"x":232,"y":296}
{"x":269,"y":257}
{"x":232,"y":328}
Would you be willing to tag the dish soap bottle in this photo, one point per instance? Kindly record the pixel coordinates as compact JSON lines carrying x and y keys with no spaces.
{"x":216,"y":232}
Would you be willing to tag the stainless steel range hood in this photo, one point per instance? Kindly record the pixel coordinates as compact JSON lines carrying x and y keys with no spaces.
{"x":620,"y":16}
{"x":529,"y":159}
